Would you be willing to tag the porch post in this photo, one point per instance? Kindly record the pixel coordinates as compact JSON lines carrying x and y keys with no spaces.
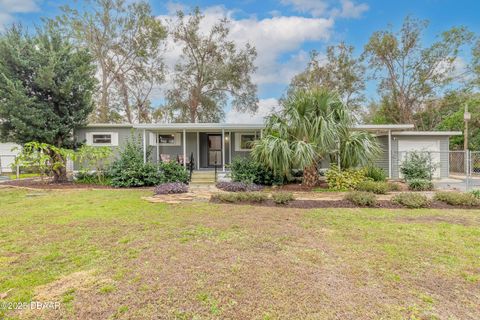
{"x":184,"y":148}
{"x":230,"y":147}
{"x":390,"y":154}
{"x":198,"y":150}
{"x":144,"y":146}
{"x":223,"y":150}
{"x":158,"y":148}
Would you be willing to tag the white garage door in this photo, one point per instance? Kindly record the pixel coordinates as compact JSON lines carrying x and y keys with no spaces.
{"x":430,"y":145}
{"x":7,"y":156}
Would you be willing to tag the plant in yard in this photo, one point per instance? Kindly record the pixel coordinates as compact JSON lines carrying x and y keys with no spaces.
{"x":174,"y":172}
{"x":46,"y":87}
{"x":240,"y":197}
{"x":417,"y":165}
{"x":238,"y":186}
{"x":93,"y":158}
{"x":375,"y":173}
{"x":457,"y":198}
{"x":47,"y":158}
{"x":476,"y":193}
{"x":411,"y":200}
{"x":282,"y":197}
{"x":376,"y":187}
{"x":344,"y":179}
{"x":362,"y":198}
{"x":392,"y":186}
{"x":312,"y":125}
{"x":129,"y":170}
{"x":171,"y":187}
{"x":249,"y":171}
{"x":420,"y":185}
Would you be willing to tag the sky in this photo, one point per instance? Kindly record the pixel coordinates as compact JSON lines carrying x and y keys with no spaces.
{"x":285,"y":31}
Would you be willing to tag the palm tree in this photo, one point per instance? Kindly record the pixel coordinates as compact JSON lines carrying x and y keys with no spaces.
{"x":312,"y":125}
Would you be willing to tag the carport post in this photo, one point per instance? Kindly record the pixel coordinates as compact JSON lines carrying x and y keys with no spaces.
{"x":184,"y":148}
{"x":389,"y":154}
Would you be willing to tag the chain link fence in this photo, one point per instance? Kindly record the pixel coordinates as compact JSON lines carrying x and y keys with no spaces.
{"x":453,"y":170}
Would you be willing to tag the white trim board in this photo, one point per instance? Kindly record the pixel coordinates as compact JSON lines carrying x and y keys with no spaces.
{"x":114,"y":137}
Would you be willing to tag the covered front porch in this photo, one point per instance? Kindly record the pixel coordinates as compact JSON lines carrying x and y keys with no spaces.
{"x":209,"y":145}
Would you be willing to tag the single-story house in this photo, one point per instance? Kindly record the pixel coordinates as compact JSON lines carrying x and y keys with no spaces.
{"x":218,"y":143}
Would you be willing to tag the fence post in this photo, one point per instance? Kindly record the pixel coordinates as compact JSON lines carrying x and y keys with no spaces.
{"x":468,"y":170}
{"x":18,"y":171}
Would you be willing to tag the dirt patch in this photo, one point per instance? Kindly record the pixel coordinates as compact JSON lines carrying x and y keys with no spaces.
{"x":312,"y":204}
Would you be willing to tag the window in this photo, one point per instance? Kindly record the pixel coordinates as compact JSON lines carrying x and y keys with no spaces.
{"x":244,"y":141}
{"x":166,"y":138}
{"x":102,"y":138}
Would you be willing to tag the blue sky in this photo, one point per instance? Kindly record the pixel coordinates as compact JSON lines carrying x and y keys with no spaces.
{"x":284,"y":31}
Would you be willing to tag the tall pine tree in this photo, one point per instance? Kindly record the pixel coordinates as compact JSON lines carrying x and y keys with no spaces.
{"x":46,"y":88}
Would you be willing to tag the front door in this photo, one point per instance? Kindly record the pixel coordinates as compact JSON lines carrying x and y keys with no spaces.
{"x":214,"y":149}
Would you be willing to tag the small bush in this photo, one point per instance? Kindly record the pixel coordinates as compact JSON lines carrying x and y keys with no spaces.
{"x":376,"y":187}
{"x":346,"y":179}
{"x":392,"y":186}
{"x":457,"y":198}
{"x":173,"y":172}
{"x":420,"y":185}
{"x":375,"y":173}
{"x":85,"y":177}
{"x":282,"y":197}
{"x":171,"y":187}
{"x":476,"y":193}
{"x":240,"y":197}
{"x":417,"y":165}
{"x":411,"y":200}
{"x":238,"y":186}
{"x":362,"y":198}
{"x":249,"y":171}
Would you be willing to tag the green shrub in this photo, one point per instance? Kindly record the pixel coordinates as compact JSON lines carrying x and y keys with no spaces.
{"x":417,"y":165}
{"x":362,"y":198}
{"x":392,"y":186}
{"x":375,"y":173}
{"x":282,"y":197}
{"x":476,"y":193}
{"x":411,"y":200}
{"x":240,"y":197}
{"x":174,"y":172}
{"x":86,"y":177}
{"x":457,"y":198}
{"x":248,"y":171}
{"x":376,"y":187}
{"x":346,"y":179}
{"x":130,"y":171}
{"x":420,"y":185}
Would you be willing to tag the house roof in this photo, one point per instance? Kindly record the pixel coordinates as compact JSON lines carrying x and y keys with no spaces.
{"x":226,"y":126}
{"x":427,"y":133}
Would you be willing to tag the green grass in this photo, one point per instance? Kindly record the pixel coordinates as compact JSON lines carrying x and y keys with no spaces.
{"x":110,"y":254}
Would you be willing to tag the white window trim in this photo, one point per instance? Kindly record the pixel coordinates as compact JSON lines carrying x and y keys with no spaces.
{"x":114,"y":143}
{"x":238,"y":139}
{"x":177,"y":141}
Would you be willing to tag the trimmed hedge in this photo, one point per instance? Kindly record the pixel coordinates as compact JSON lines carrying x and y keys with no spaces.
{"x":171,"y":187}
{"x":282,"y":197}
{"x":420,"y":185}
{"x":376,"y":187}
{"x":457,"y":198}
{"x":240,"y":197}
{"x":238,"y":186}
{"x":362,"y":198}
{"x":411,"y":200}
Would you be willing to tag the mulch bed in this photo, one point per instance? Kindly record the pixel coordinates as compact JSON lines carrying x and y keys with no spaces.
{"x":312,"y":204}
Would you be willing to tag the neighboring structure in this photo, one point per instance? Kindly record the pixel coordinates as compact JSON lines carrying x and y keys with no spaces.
{"x":219,"y":143}
{"x":7,"y":156}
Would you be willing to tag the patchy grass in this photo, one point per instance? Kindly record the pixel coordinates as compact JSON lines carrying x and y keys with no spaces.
{"x":108,"y":254}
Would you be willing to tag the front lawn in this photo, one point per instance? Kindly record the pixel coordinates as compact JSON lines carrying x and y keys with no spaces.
{"x":109,"y":254}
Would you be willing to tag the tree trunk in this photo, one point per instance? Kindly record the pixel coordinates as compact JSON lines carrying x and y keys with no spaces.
{"x":124,"y":93}
{"x":310,"y":176}
{"x":59,"y":171}
{"x":103,"y":107}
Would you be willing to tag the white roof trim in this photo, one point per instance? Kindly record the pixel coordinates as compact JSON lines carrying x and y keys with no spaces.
{"x":383,"y":126}
{"x":427,"y":133}
{"x":109,"y":125}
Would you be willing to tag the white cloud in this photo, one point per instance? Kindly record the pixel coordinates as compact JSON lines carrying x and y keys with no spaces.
{"x":265,"y":108}
{"x":352,"y":10}
{"x":173,"y":7}
{"x":322,"y":8}
{"x":10,"y":7}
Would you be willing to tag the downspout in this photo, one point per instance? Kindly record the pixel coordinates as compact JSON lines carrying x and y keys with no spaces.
{"x":144,"y":146}
{"x":184,"y":148}
{"x":389,"y":154}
